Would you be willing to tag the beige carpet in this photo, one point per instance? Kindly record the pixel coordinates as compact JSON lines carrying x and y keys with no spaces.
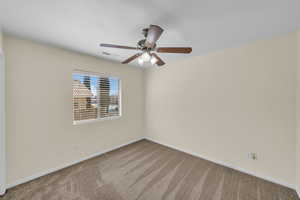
{"x":145,"y":170}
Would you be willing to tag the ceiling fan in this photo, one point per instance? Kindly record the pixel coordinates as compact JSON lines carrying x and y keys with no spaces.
{"x":148,"y":47}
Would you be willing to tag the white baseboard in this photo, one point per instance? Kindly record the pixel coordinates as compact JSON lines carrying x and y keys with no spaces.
{"x":227,"y":165}
{"x":35,"y":176}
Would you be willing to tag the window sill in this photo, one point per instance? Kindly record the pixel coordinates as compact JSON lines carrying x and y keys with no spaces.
{"x":95,"y":120}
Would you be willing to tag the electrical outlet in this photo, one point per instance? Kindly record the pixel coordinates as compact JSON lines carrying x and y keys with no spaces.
{"x":253,"y":156}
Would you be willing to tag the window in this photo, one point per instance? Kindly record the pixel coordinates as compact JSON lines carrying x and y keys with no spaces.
{"x":95,"y":97}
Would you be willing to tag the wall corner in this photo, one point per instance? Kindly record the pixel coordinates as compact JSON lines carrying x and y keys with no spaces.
{"x":297,"y":187}
{"x":2,"y":119}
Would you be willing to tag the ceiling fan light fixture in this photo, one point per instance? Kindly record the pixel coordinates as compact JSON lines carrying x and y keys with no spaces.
{"x":146,"y":57}
{"x":141,"y":61}
{"x":153,"y":60}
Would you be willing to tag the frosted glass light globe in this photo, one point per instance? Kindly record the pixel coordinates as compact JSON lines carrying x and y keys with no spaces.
{"x":146,"y":57}
{"x":153,"y":60}
{"x":141,"y":61}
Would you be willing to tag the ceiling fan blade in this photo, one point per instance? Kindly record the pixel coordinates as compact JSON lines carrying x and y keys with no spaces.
{"x":128,"y":60}
{"x":174,"y":50}
{"x":118,"y":46}
{"x":159,"y":62}
{"x":153,"y":35}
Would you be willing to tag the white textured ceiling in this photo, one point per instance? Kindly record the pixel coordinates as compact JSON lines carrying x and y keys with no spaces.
{"x":205,"y":25}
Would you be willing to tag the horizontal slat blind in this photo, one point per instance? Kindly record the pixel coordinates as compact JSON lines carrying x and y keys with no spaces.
{"x":104,"y":97}
{"x":95,"y":97}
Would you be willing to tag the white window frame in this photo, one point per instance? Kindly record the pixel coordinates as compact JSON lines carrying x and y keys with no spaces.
{"x":96,"y":74}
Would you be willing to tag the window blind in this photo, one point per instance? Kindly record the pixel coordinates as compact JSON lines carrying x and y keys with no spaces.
{"x":95,"y":97}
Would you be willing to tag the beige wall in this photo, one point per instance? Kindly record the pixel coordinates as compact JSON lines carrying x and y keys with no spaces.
{"x":226,"y":104}
{"x":2,"y":119}
{"x":298,"y":118}
{"x":40,"y":134}
{"x":0,"y":38}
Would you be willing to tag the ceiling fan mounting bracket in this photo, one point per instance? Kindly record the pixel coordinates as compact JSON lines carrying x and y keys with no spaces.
{"x":142,"y":46}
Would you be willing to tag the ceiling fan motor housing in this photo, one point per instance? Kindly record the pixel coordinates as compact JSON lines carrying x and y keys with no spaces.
{"x":142,"y":45}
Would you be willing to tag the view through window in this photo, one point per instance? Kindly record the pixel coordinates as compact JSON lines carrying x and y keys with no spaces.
{"x":95,"y":97}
